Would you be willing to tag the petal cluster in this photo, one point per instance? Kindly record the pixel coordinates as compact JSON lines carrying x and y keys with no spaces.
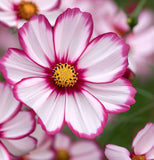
{"x":100,"y":64}
{"x":15,"y":125}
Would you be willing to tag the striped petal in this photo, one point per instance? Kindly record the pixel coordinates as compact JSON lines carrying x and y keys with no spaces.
{"x":9,"y":105}
{"x":116,"y":96}
{"x":16,"y":66}
{"x":84,"y":114}
{"x":19,"y":126}
{"x":113,"y":152}
{"x":4,"y":154}
{"x":105,"y":59}
{"x":36,"y":39}
{"x":20,"y":147}
{"x":44,"y":100}
{"x":72,"y":32}
{"x":144,"y":140}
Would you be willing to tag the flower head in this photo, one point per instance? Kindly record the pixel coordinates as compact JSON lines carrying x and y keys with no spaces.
{"x":79,"y":150}
{"x":143,"y":146}
{"x":16,"y":12}
{"x":65,"y":78}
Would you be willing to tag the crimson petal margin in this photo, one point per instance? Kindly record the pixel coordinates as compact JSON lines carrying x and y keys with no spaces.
{"x":44,"y":100}
{"x":16,"y":66}
{"x":4,"y":154}
{"x":105,"y":59}
{"x":36,"y":39}
{"x":116,"y":96}
{"x":19,"y":126}
{"x":72,"y":33}
{"x":9,"y":105}
{"x":85,"y":115}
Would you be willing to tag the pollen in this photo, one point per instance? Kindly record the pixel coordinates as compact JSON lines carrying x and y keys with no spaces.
{"x":26,"y":9}
{"x":62,"y":155}
{"x":142,"y":157}
{"x":64,"y":75}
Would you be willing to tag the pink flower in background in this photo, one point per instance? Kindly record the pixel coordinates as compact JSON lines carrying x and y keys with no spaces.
{"x":141,"y":56}
{"x":14,"y":128}
{"x":16,"y":12}
{"x":65,"y":149}
{"x":106,"y":15}
{"x":143,"y":146}
{"x":43,"y":149}
{"x":65,"y":78}
{"x":7,"y":39}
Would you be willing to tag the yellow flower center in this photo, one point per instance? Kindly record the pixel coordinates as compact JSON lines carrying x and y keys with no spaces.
{"x":62,"y":155}
{"x":64,"y":75}
{"x":138,"y":157}
{"x":27,"y":9}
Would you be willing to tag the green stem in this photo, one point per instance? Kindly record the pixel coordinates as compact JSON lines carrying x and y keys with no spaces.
{"x":132,"y":19}
{"x":138,"y":9}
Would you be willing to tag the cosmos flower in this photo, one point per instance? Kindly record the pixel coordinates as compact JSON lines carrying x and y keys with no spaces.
{"x":142,"y":146}
{"x":43,"y":149}
{"x":141,"y":56}
{"x":16,"y":12}
{"x":65,"y":149}
{"x":65,"y":78}
{"x":14,"y":126}
{"x":106,"y":15}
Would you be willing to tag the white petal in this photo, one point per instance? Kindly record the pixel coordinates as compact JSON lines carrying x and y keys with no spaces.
{"x":52,"y":16}
{"x":40,"y":154}
{"x":46,"y":5}
{"x":36,"y":39}
{"x":72,"y":32}
{"x":21,"y":146}
{"x":105,"y":59}
{"x":144,"y":140}
{"x":9,"y":105}
{"x":19,"y":126}
{"x":86,"y":150}
{"x":43,"y":149}
{"x":20,"y":23}
{"x":150,"y":154}
{"x":113,"y":152}
{"x":4,"y":154}
{"x":6,"y":5}
{"x":116,"y":96}
{"x":59,"y":138}
{"x":85,"y":115}
{"x":8,"y":18}
{"x":44,"y":100}
{"x":16,"y":66}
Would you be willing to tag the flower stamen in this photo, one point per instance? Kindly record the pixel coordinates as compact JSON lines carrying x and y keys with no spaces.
{"x":135,"y":157}
{"x":26,"y":9}
{"x":62,"y":155}
{"x":64,"y":75}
